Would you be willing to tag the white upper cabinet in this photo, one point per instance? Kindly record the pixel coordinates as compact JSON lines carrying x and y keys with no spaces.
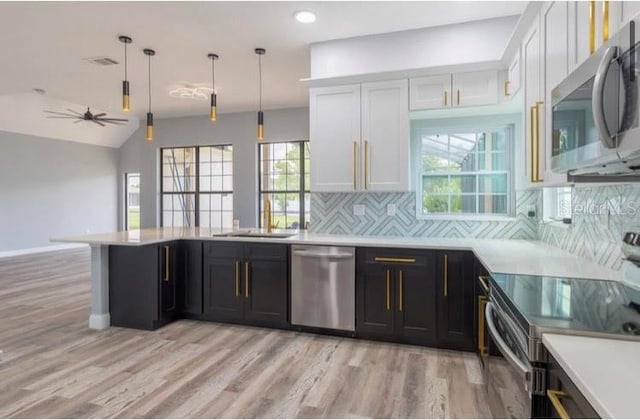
{"x":512,"y":84}
{"x":430,"y":92}
{"x":385,"y":136}
{"x":359,"y":137}
{"x":579,"y":33}
{"x":475,"y":88}
{"x":624,"y":11}
{"x":453,"y":90}
{"x":334,"y":131}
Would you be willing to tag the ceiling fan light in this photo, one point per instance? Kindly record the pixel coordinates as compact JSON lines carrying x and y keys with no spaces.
{"x":149,"y":126}
{"x":126,"y":104}
{"x":213,"y":115}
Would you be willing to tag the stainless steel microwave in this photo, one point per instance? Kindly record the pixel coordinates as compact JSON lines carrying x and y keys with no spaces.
{"x":595,"y":111}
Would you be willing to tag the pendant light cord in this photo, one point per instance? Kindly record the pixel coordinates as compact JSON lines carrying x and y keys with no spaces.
{"x":260,"y":79}
{"x":149,"y":83}
{"x":213,"y":76}
{"x":125,"y":61}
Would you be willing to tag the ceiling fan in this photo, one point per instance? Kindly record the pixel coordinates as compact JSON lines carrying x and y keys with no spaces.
{"x":87,"y":116}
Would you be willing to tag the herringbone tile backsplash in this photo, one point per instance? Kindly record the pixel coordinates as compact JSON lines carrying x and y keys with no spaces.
{"x":333,"y":213}
{"x":601,"y":216}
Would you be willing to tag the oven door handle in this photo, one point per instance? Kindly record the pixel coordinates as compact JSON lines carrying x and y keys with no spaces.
{"x":597,"y":98}
{"x":508,"y":354}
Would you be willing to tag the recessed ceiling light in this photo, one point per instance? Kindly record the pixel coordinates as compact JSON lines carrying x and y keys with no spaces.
{"x":305,"y":16}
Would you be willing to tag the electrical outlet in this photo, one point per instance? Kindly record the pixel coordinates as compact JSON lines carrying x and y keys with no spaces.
{"x":531,"y":210}
{"x":391,"y":209}
{"x":358,"y":209}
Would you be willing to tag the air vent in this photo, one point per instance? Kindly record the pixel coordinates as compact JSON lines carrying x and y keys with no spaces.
{"x":101,"y":61}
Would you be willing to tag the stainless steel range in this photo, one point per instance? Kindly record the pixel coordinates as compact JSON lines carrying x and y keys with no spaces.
{"x":521,"y":308}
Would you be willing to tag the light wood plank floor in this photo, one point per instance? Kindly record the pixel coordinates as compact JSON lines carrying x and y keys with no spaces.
{"x":55,"y":366}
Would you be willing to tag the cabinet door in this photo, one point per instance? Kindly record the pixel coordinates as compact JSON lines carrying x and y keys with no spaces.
{"x":416,"y":303}
{"x":374,"y":301}
{"x":513,"y":78}
{"x":190,"y":292}
{"x":334,"y":129}
{"x":265,"y":292}
{"x":569,"y":396}
{"x":222,"y":282}
{"x":430,"y":92}
{"x":385,"y":135}
{"x":626,"y":10}
{"x":531,"y":66}
{"x":475,"y":88}
{"x":170,"y":269}
{"x":456,"y":300}
{"x":578,"y":31}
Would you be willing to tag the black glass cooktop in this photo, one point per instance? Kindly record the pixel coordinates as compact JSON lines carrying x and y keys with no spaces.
{"x":541,"y":303}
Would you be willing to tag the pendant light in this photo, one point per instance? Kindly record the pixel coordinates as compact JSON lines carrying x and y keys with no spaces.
{"x":149,"y":53}
{"x":213,"y":116}
{"x":260,"y":52}
{"x":125,"y":83}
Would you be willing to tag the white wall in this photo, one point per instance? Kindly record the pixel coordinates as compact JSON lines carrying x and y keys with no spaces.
{"x":52,"y":188}
{"x":238,"y":129}
{"x":430,"y":47}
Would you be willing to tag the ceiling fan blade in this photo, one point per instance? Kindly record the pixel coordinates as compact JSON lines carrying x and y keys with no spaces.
{"x":112,"y":122}
{"x":63,"y":117}
{"x":111,"y":119}
{"x":75,"y":112}
{"x":62,"y":113}
{"x":99,"y":115}
{"x":79,"y":121}
{"x":97,"y":122}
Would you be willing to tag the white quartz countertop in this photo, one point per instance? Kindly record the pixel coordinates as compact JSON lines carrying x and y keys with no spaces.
{"x":607,"y":372}
{"x":497,"y":255}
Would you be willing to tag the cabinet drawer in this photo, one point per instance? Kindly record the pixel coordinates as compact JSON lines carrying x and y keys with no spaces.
{"x":223,"y":250}
{"x":571,"y":399}
{"x":255,"y":251}
{"x":395,"y":256}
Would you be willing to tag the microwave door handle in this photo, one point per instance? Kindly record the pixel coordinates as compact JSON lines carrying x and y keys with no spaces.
{"x":597,"y":98}
{"x":508,"y":354}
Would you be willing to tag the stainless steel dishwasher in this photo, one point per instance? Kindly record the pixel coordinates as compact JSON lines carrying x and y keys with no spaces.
{"x":323,"y":287}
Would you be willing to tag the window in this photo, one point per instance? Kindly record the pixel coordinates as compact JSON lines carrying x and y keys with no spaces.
{"x":465,"y":172}
{"x":557,"y":204}
{"x":197,"y":186}
{"x":285,"y":179}
{"x":132,"y":201}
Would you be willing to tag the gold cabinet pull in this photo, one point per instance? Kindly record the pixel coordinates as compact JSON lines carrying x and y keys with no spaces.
{"x":395,"y":260}
{"x":355,"y":165}
{"x":538,"y":179}
{"x":445,"y":98}
{"x":484,"y":281}
{"x":446,"y":275}
{"x":388,"y":290}
{"x":458,"y":94}
{"x":592,"y":26}
{"x":482,"y":348}
{"x":605,"y":20}
{"x":366,"y":164}
{"x":401,"y":286}
{"x":246,"y":279}
{"x":237,"y":278}
{"x":554,"y":397}
{"x":532,"y":136}
{"x":166,"y":263}
{"x":506,"y":88}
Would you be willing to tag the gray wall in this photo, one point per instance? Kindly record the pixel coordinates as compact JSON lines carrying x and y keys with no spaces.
{"x":238,"y":129}
{"x":52,"y":188}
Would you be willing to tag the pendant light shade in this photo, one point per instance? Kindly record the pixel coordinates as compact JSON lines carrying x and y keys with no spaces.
{"x":260,"y":52}
{"x":126,"y":105}
{"x":149,"y":53}
{"x":213,"y":115}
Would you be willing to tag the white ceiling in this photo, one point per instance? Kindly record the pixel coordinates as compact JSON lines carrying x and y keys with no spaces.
{"x":43,"y":45}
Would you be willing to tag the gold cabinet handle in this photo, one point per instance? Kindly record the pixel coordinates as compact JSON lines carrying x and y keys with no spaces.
{"x":458,"y":94}
{"x":446,"y":275}
{"x":484,"y":281}
{"x":605,"y":20}
{"x":538,"y":103}
{"x":482,"y":347}
{"x":355,"y":165}
{"x":445,"y":98}
{"x":366,"y":164}
{"x":166,"y":263}
{"x":506,"y":88}
{"x":237,"y":278}
{"x":554,"y":397}
{"x":532,"y":136}
{"x":246,"y":279}
{"x":388,"y":290}
{"x":401,"y":286}
{"x":592,"y":26}
{"x":395,"y":260}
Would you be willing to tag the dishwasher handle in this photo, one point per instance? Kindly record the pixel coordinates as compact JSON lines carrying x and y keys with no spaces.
{"x":333,"y":256}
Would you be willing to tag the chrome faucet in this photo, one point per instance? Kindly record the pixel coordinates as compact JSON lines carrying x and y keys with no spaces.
{"x":267,"y":221}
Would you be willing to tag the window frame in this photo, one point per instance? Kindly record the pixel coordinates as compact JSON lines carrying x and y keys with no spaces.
{"x":196,"y":193}
{"x":451,"y":126}
{"x":126,"y":198}
{"x":551,"y":201}
{"x":301,"y":191}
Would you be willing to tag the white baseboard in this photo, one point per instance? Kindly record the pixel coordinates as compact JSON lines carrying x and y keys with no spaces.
{"x":99,"y":321}
{"x":39,"y":250}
